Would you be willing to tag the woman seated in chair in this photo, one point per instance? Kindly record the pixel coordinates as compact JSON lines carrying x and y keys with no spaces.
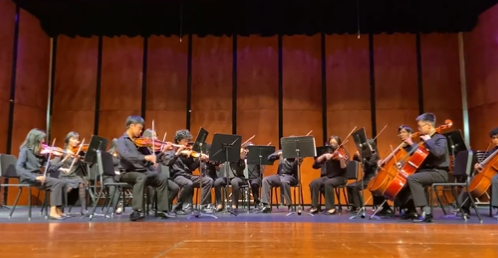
{"x":72,"y":169}
{"x":32,"y":158}
{"x":333,"y":166}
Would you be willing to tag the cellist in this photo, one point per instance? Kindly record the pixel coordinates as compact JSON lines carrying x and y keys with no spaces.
{"x":464,"y":195}
{"x":434,"y":169}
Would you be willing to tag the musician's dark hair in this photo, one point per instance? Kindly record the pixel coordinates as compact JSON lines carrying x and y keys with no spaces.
{"x":493,"y":133}
{"x":336,"y":138}
{"x":134,"y":120}
{"x":68,"y":138}
{"x":33,"y":140}
{"x":182,"y":134}
{"x":427,"y":117}
{"x":406,"y":128}
{"x":113,"y":147}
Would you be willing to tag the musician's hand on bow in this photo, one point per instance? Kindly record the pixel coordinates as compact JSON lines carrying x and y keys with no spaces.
{"x":328,"y":156}
{"x":64,"y":170}
{"x":425,"y":137}
{"x":41,"y":179}
{"x":182,"y":150}
{"x":151,"y":158}
{"x":204,"y":157}
{"x":380,"y":163}
{"x":243,"y":154}
{"x":168,"y":146}
{"x":478,"y":166}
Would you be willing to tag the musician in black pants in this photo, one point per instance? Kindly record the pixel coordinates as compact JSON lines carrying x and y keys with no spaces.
{"x":255,"y":176}
{"x":285,"y":178}
{"x":463,"y":198}
{"x":139,"y":171}
{"x":369,"y":168}
{"x":434,"y":169}
{"x":333,"y":174}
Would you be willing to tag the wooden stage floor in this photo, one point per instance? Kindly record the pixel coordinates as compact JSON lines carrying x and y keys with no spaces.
{"x":249,"y":235}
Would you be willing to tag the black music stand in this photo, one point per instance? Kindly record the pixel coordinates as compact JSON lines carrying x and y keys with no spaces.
{"x":257,"y":156}
{"x":199,"y":146}
{"x":226,"y":149}
{"x":95,"y":147}
{"x":298,"y":147}
{"x":366,"y":151}
{"x":456,"y":144}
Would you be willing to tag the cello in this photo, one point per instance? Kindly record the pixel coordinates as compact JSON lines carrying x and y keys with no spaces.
{"x":481,"y":182}
{"x":393,"y":176}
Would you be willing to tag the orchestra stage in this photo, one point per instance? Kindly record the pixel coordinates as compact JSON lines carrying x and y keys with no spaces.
{"x":247,"y":235}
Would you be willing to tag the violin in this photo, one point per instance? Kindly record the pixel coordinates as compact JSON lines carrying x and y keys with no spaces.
{"x":55,"y":151}
{"x":84,"y":148}
{"x":148,"y":142}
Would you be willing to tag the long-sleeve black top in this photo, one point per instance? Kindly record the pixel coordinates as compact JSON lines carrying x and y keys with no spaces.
{"x":255,"y":171}
{"x":132,"y":157}
{"x":331,"y":168}
{"x":180,"y":165}
{"x":210,"y":169}
{"x":285,"y":166}
{"x":370,"y":165}
{"x":29,"y":165}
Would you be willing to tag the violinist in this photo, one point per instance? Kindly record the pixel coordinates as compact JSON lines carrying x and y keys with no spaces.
{"x":434,"y":169}
{"x":182,"y":164}
{"x":29,"y":165}
{"x":72,"y":170}
{"x":139,"y":171}
{"x":464,"y":196}
{"x":173,"y":188}
{"x":285,"y":178}
{"x":236,"y":180}
{"x":333,"y":170}
{"x":369,"y":168}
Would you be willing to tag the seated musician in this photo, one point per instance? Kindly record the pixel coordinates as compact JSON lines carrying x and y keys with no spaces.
{"x":182,"y":164}
{"x":463,"y":197}
{"x":173,"y":188}
{"x":109,"y":179}
{"x":333,"y":170}
{"x":139,"y":170}
{"x":211,"y":169}
{"x":255,"y":175}
{"x":237,"y":179}
{"x":72,"y":169}
{"x":369,"y":168}
{"x":285,"y":178}
{"x":29,"y":164}
{"x":434,"y":169}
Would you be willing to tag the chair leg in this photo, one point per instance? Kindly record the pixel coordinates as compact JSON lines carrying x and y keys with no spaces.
{"x":15,"y":202}
{"x":439,"y":199}
{"x":29,"y":203}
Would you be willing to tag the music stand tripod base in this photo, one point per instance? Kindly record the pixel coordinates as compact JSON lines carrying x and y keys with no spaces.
{"x":298,"y":147}
{"x":373,"y":216}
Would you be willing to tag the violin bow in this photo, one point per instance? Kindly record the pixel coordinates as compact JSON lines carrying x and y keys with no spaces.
{"x":309,"y":133}
{"x":244,"y":143}
{"x":153,"y":138}
{"x":76,"y":157}
{"x":164,"y":141}
{"x":47,"y":165}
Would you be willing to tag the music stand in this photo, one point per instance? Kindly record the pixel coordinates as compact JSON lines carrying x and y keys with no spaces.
{"x":97,"y":145}
{"x":366,"y":151}
{"x":199,"y":146}
{"x":226,"y":149}
{"x":298,"y":147}
{"x":456,"y":144}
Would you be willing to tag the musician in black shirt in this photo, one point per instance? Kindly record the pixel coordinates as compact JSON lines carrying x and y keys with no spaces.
{"x":139,"y":170}
{"x":333,"y":171}
{"x":434,"y":169}
{"x":285,"y":178}
{"x":463,"y":198}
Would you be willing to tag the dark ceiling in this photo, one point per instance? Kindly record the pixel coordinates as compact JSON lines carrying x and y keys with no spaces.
{"x":244,"y":17}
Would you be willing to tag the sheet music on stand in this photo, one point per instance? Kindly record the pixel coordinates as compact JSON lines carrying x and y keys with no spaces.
{"x":298,"y":147}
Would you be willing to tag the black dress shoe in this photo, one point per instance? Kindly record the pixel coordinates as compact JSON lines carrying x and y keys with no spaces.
{"x":425,"y":217}
{"x":56,"y":218}
{"x":165,"y":215}
{"x":136,"y":215}
{"x":265,"y":209}
{"x":409,"y":215}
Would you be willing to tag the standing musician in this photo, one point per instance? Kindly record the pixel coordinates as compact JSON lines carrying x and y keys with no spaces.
{"x":109,"y":179}
{"x":237,"y":179}
{"x":173,"y":188}
{"x":333,"y":170}
{"x":285,"y":177}
{"x":72,"y":170}
{"x":29,"y":164}
{"x":464,"y":195}
{"x":434,"y":169}
{"x":182,"y":162}
{"x":370,"y":168}
{"x":139,"y":171}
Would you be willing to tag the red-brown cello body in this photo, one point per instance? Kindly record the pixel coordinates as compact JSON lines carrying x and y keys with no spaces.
{"x":408,"y":166}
